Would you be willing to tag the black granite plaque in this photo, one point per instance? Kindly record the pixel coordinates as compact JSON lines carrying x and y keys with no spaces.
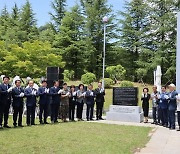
{"x":127,"y":96}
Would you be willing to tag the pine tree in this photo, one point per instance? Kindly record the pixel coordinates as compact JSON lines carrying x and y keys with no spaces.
{"x":59,"y":12}
{"x":133,"y":33}
{"x":28,"y":23}
{"x":4,"y":23}
{"x":47,"y":33}
{"x":163,"y":35}
{"x":94,"y":11}
{"x":75,"y":48}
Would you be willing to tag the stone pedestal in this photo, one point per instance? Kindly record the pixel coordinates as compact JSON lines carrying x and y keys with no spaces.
{"x":125,"y":113}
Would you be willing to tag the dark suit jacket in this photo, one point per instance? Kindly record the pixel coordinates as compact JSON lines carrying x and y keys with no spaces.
{"x":55,"y":96}
{"x":17,"y":100}
{"x":163,"y":102}
{"x":5,"y":96}
{"x":99,"y":95}
{"x":89,"y":98}
{"x":31,"y":99}
{"x":44,"y":97}
{"x":172,"y":100}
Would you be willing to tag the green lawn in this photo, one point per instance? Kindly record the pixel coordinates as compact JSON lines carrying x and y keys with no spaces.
{"x":73,"y":137}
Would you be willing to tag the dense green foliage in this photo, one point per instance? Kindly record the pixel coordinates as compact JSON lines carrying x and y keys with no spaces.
{"x":88,"y":78}
{"x":30,"y":59}
{"x":138,"y":39}
{"x":116,"y":72}
{"x":68,"y":75}
{"x":108,"y":82}
{"x":126,"y":84}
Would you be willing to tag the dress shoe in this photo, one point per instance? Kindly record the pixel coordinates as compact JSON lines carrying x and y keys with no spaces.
{"x":6,"y":126}
{"x":15,"y":126}
{"x":101,"y":118}
{"x":20,"y":125}
{"x":92,"y":119}
{"x":172,"y":128}
{"x":46,"y":123}
{"x":1,"y":127}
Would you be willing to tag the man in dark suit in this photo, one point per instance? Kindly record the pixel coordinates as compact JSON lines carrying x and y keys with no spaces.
{"x":55,"y":103}
{"x":44,"y":100}
{"x":5,"y":101}
{"x":90,"y":95}
{"x":99,"y":101}
{"x":17,"y":95}
{"x":30,"y":94}
{"x":172,"y":105}
{"x":163,"y":105}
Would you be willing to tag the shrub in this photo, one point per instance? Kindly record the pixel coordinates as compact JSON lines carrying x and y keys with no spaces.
{"x":68,"y":75}
{"x":88,"y":78}
{"x":108,"y":82}
{"x":116,"y":72}
{"x":126,"y":84}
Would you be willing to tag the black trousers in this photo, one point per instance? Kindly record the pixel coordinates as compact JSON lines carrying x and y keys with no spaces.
{"x":43,"y":113}
{"x":164,"y":116}
{"x":54,"y":112}
{"x":89,"y":111}
{"x":4,"y":112}
{"x":99,"y":109}
{"x":178,"y":118}
{"x":71,"y":110}
{"x":30,"y":120}
{"x":171,"y":114}
{"x":154,"y":110}
{"x":80,"y":110}
{"x":159,"y":112}
{"x":18,"y":111}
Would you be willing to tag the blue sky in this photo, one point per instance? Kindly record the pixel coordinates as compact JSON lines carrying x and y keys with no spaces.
{"x":42,"y":7}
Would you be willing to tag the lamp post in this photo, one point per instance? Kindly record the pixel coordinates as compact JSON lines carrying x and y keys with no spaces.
{"x":105,"y":20}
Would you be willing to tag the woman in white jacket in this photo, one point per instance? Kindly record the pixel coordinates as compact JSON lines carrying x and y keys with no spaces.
{"x":178,"y":110}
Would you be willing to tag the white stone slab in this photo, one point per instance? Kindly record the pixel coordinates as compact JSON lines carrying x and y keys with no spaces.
{"x":125,"y":113}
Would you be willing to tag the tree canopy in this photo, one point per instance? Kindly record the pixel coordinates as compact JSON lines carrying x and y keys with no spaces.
{"x":139,"y":38}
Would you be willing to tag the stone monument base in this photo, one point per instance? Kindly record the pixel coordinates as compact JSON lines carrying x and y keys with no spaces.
{"x":125,"y":113}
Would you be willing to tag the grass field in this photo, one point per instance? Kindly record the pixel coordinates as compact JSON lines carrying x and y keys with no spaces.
{"x":109,"y":96}
{"x":73,"y":137}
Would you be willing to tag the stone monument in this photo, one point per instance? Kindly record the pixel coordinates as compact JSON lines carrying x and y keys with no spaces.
{"x":124,"y":108}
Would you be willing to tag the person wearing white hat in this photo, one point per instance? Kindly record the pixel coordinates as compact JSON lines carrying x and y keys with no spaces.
{"x":172,"y":106}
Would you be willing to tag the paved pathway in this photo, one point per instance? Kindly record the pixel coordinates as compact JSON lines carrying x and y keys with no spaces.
{"x":163,"y":140}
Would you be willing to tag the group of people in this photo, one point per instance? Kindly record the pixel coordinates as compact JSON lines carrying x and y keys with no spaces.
{"x":62,"y":102}
{"x":164,"y":106}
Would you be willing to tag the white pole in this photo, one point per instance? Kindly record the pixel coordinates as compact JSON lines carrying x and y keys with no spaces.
{"x":178,"y":54}
{"x":154,"y":77}
{"x":104,"y":54}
